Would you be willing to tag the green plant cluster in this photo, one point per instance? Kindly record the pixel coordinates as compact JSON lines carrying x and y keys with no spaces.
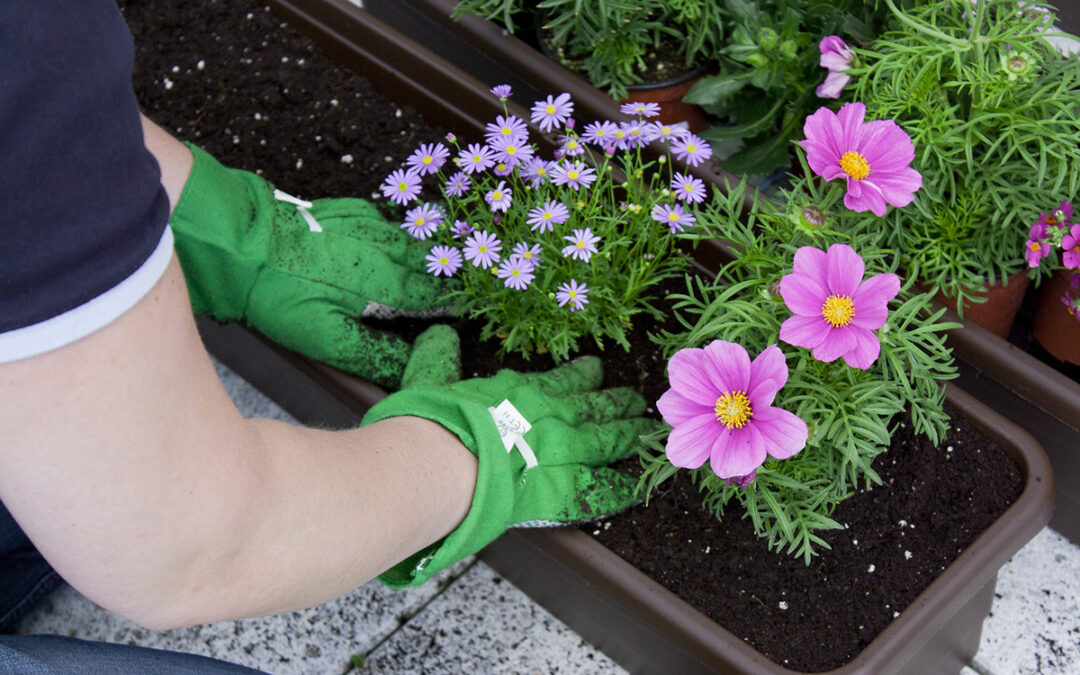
{"x":851,"y":413}
{"x":610,"y":40}
{"x":994,"y":112}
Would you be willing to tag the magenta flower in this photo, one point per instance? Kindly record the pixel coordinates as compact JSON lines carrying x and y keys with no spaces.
{"x":428,"y":158}
{"x":401,"y":186}
{"x":552,"y":112}
{"x":574,"y":293}
{"x":600,"y":133}
{"x":640,"y":108}
{"x":673,"y":216}
{"x":482,"y":249}
{"x":1070,"y":248}
{"x":582,"y":244}
{"x":836,"y":311}
{"x":516,"y":273}
{"x":458,"y":184}
{"x":509,"y":126}
{"x":422,"y":221}
{"x":720,"y":408}
{"x":691,"y":149}
{"x":1034,"y":251}
{"x":1059,"y":218}
{"x":688,"y":188}
{"x":545,"y":217}
{"x":573,"y":175}
{"x":502,"y":91}
{"x":443,"y":260}
{"x":872,"y":157}
{"x":837,"y":57}
{"x":475,"y":158}
{"x":499,"y":198}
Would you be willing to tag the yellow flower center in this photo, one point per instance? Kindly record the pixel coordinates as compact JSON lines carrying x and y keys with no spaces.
{"x":572,"y":294}
{"x":483,"y":249}
{"x":403,"y":186}
{"x":444,"y":261}
{"x":501,"y":166}
{"x":516,"y":273}
{"x":550,"y":109}
{"x":838,"y":310}
{"x":733,"y":409}
{"x":548,"y":215}
{"x":1035,"y":246}
{"x":428,"y":159}
{"x":506,"y":131}
{"x":691,"y":148}
{"x":541,"y":172}
{"x":420,"y":221}
{"x":673,"y":217}
{"x":572,"y":174}
{"x":571,"y":144}
{"x":511,"y":150}
{"x":855,"y":165}
{"x":581,"y":244}
{"x":496,"y":196}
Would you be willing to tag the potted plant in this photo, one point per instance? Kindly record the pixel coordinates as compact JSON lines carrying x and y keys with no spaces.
{"x":1053,"y":248}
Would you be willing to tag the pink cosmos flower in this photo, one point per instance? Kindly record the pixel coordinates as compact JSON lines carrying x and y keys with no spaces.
{"x":836,"y":56}
{"x":720,"y":408}
{"x":836,"y":311}
{"x":1070,"y":248}
{"x":872,"y":157}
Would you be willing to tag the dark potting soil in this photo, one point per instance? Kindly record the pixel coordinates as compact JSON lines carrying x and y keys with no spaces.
{"x":233,"y":78}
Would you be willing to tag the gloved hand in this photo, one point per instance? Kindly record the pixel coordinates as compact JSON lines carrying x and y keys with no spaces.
{"x":541,"y":441}
{"x":305,"y":275}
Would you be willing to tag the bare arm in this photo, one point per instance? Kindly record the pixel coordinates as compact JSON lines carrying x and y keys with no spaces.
{"x":129,"y":468}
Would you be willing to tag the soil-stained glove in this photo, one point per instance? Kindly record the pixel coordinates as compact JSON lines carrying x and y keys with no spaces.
{"x":305,"y":274}
{"x":541,"y":441}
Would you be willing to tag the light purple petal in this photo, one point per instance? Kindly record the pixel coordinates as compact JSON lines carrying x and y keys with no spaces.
{"x":729,"y":366}
{"x":803,"y":294}
{"x":833,"y":85}
{"x":864,"y":196}
{"x":839,"y":342}
{"x":850,"y":119}
{"x":813,"y":262}
{"x":761,"y":394}
{"x":846,"y":270}
{"x":898,"y":186}
{"x":804,"y":331}
{"x":676,"y":408}
{"x":885,"y":146}
{"x":872,"y":300}
{"x":865,"y":351}
{"x":784,"y":432}
{"x":690,"y":443}
{"x":737,"y":452}
{"x":688,"y":375}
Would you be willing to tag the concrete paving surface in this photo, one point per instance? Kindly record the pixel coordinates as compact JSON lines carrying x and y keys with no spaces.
{"x":470,"y":620}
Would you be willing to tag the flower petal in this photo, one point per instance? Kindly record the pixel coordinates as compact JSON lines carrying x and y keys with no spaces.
{"x":813,"y":262}
{"x":803,"y":294}
{"x":689,"y":444}
{"x":839,"y":342}
{"x":863,"y":195}
{"x":687,"y":375}
{"x":785,"y":433}
{"x":676,"y":408}
{"x":728,"y":366}
{"x":833,"y":85}
{"x":866,"y":348}
{"x":885,"y":146}
{"x":846,"y":270}
{"x":804,"y":331}
{"x":850,"y":119}
{"x":770,"y":364}
{"x":898,"y":186}
{"x":737,"y":452}
{"x":872,"y":300}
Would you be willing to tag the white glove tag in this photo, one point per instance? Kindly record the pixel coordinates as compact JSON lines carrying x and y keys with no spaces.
{"x":302,"y":205}
{"x":512,"y":427}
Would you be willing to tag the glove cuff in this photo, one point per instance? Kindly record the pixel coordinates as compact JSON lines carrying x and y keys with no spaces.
{"x":221,"y":227}
{"x":492,"y":503}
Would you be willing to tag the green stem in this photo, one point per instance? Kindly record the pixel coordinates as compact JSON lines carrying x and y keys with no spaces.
{"x":923,"y":28}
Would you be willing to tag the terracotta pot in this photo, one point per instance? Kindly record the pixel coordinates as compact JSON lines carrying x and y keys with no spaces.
{"x":1055,"y":327}
{"x":669,"y":95}
{"x":1002,"y":302}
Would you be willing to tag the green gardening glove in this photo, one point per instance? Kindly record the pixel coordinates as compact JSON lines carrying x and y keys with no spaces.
{"x":541,"y":441}
{"x":305,"y":274}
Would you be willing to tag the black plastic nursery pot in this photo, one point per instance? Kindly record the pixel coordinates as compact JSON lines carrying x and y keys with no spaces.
{"x":632,"y":618}
{"x":1013,"y":382}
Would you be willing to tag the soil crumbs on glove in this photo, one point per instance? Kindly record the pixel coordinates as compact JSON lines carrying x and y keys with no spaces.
{"x":231,"y":77}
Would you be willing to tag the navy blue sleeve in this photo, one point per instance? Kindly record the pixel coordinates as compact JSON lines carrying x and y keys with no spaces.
{"x":81,"y":202}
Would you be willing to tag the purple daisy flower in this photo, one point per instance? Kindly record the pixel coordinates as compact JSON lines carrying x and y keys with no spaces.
{"x":536,"y":171}
{"x":600,"y":133}
{"x":552,"y":112}
{"x":511,"y":151}
{"x":633,"y":135}
{"x":691,"y":149}
{"x":571,"y":146}
{"x":401,"y":186}
{"x":529,"y":253}
{"x":461,"y":229}
{"x":573,"y":175}
{"x":476,"y":158}
{"x":444,"y":260}
{"x":422,"y":221}
{"x":664,"y":132}
{"x":499,"y":198}
{"x":688,"y":188}
{"x":482,"y":249}
{"x":502,"y":169}
{"x":574,"y":293}
{"x":508,"y":126}
{"x":544,"y":218}
{"x":872,"y":157}
{"x":502,"y":91}
{"x":428,"y":158}
{"x":673,"y":216}
{"x":836,"y":312}
{"x":644,"y":109}
{"x":837,"y":57}
{"x":720,"y":409}
{"x":458,"y":184}
{"x":516,"y":273}
{"x":582,"y":244}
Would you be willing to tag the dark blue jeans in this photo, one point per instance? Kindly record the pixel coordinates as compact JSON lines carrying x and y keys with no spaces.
{"x":25,"y":578}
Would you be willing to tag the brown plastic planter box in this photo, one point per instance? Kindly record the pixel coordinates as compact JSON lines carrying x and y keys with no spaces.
{"x":1021,"y":387}
{"x":637,"y":622}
